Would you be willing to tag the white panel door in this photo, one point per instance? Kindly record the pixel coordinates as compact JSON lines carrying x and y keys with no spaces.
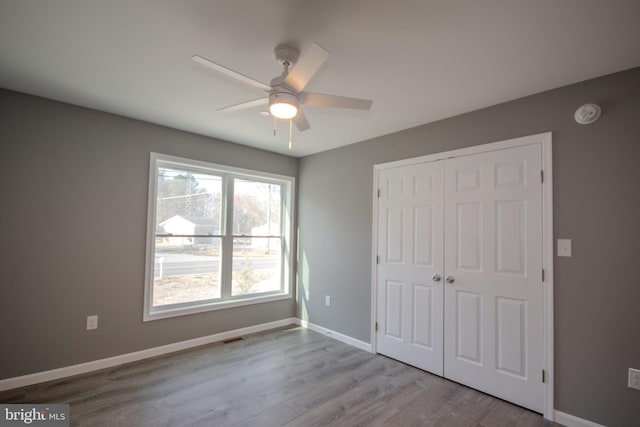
{"x":493,"y":254}
{"x":410,"y":239}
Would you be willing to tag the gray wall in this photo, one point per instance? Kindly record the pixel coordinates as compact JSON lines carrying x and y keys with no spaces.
{"x":74,"y":186}
{"x":73,"y":217}
{"x":596,"y":203}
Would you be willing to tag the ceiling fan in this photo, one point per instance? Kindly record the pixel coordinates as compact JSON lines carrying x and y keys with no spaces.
{"x":285,"y":92}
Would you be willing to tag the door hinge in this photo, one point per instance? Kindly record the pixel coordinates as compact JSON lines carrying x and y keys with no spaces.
{"x":376,"y":326}
{"x":541,"y":176}
{"x":543,"y":376}
{"x":377,"y":259}
{"x":543,"y":274}
{"x":378,"y":193}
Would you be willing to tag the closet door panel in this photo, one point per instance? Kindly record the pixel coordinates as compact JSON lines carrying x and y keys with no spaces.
{"x":410,"y":241}
{"x":493,"y":308}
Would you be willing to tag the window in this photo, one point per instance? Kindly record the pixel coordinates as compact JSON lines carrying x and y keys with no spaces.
{"x":217,"y":237}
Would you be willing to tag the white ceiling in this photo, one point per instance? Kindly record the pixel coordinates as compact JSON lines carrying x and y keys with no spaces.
{"x":419,"y":61}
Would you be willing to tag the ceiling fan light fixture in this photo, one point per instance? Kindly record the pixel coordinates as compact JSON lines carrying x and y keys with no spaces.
{"x":284,"y":111}
{"x":283,"y":105}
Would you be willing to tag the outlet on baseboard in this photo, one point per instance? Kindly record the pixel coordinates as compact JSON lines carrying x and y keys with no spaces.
{"x":327,"y":300}
{"x":92,"y":322}
{"x":634,"y":378}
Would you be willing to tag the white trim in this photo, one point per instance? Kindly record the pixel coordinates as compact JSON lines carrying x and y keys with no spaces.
{"x":215,"y":305}
{"x":573,"y":421}
{"x":335,"y":335}
{"x":67,"y":371}
{"x":475,"y":149}
{"x":547,"y":265}
{"x":149,"y":242}
{"x":374,"y":259}
{"x":228,"y":173}
{"x":544,"y":140}
{"x":199,"y":166}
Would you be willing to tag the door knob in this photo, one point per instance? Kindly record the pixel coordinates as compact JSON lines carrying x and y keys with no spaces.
{"x":450,"y":279}
{"x":436,"y":278}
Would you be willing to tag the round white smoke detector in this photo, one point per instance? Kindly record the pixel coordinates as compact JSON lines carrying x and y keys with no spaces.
{"x":587,"y":114}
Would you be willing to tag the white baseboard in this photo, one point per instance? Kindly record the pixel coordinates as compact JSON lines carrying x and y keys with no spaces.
{"x":573,"y":421}
{"x":67,"y":371}
{"x":109,"y":362}
{"x":336,"y":335}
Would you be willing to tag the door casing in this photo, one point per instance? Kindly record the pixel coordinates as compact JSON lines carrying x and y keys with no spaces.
{"x":545,"y":142}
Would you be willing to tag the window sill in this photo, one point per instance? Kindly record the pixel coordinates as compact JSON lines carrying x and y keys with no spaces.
{"x":160,"y":313}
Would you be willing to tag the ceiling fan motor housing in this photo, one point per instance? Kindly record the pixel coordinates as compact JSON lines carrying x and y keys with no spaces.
{"x":283,"y":97}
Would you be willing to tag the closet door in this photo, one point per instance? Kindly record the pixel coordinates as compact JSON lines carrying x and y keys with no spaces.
{"x":409,"y":288}
{"x":493,"y":265}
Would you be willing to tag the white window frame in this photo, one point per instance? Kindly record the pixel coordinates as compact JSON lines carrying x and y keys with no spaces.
{"x":228,"y":173}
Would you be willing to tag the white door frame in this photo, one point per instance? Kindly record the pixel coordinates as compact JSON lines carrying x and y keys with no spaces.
{"x":544,"y":140}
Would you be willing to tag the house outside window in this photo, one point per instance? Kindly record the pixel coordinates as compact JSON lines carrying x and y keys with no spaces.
{"x":217,"y":237}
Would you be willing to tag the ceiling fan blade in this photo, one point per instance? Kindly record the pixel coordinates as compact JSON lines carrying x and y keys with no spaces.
{"x":301,"y":121}
{"x":231,"y":73}
{"x":246,"y":104}
{"x":323,"y":100}
{"x":308,"y":64}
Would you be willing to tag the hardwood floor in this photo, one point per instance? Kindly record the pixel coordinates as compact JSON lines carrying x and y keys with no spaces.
{"x":286,"y":377}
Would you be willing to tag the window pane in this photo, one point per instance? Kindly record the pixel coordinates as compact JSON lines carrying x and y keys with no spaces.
{"x":217,"y":235}
{"x":186,"y":269}
{"x":188,"y":203}
{"x":256,"y":208}
{"x":256,"y":265}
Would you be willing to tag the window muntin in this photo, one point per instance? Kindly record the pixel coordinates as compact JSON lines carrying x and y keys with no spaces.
{"x":218,"y":237}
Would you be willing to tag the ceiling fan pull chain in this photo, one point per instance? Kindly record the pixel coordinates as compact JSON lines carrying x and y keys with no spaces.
{"x":275,"y":119}
{"x":290,"y":132}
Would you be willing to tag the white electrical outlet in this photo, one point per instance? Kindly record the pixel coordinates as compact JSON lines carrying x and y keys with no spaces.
{"x":92,"y":322}
{"x":634,"y":378}
{"x":327,"y":300}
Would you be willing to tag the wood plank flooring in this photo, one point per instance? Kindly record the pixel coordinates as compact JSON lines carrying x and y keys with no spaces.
{"x":287,"y":377}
